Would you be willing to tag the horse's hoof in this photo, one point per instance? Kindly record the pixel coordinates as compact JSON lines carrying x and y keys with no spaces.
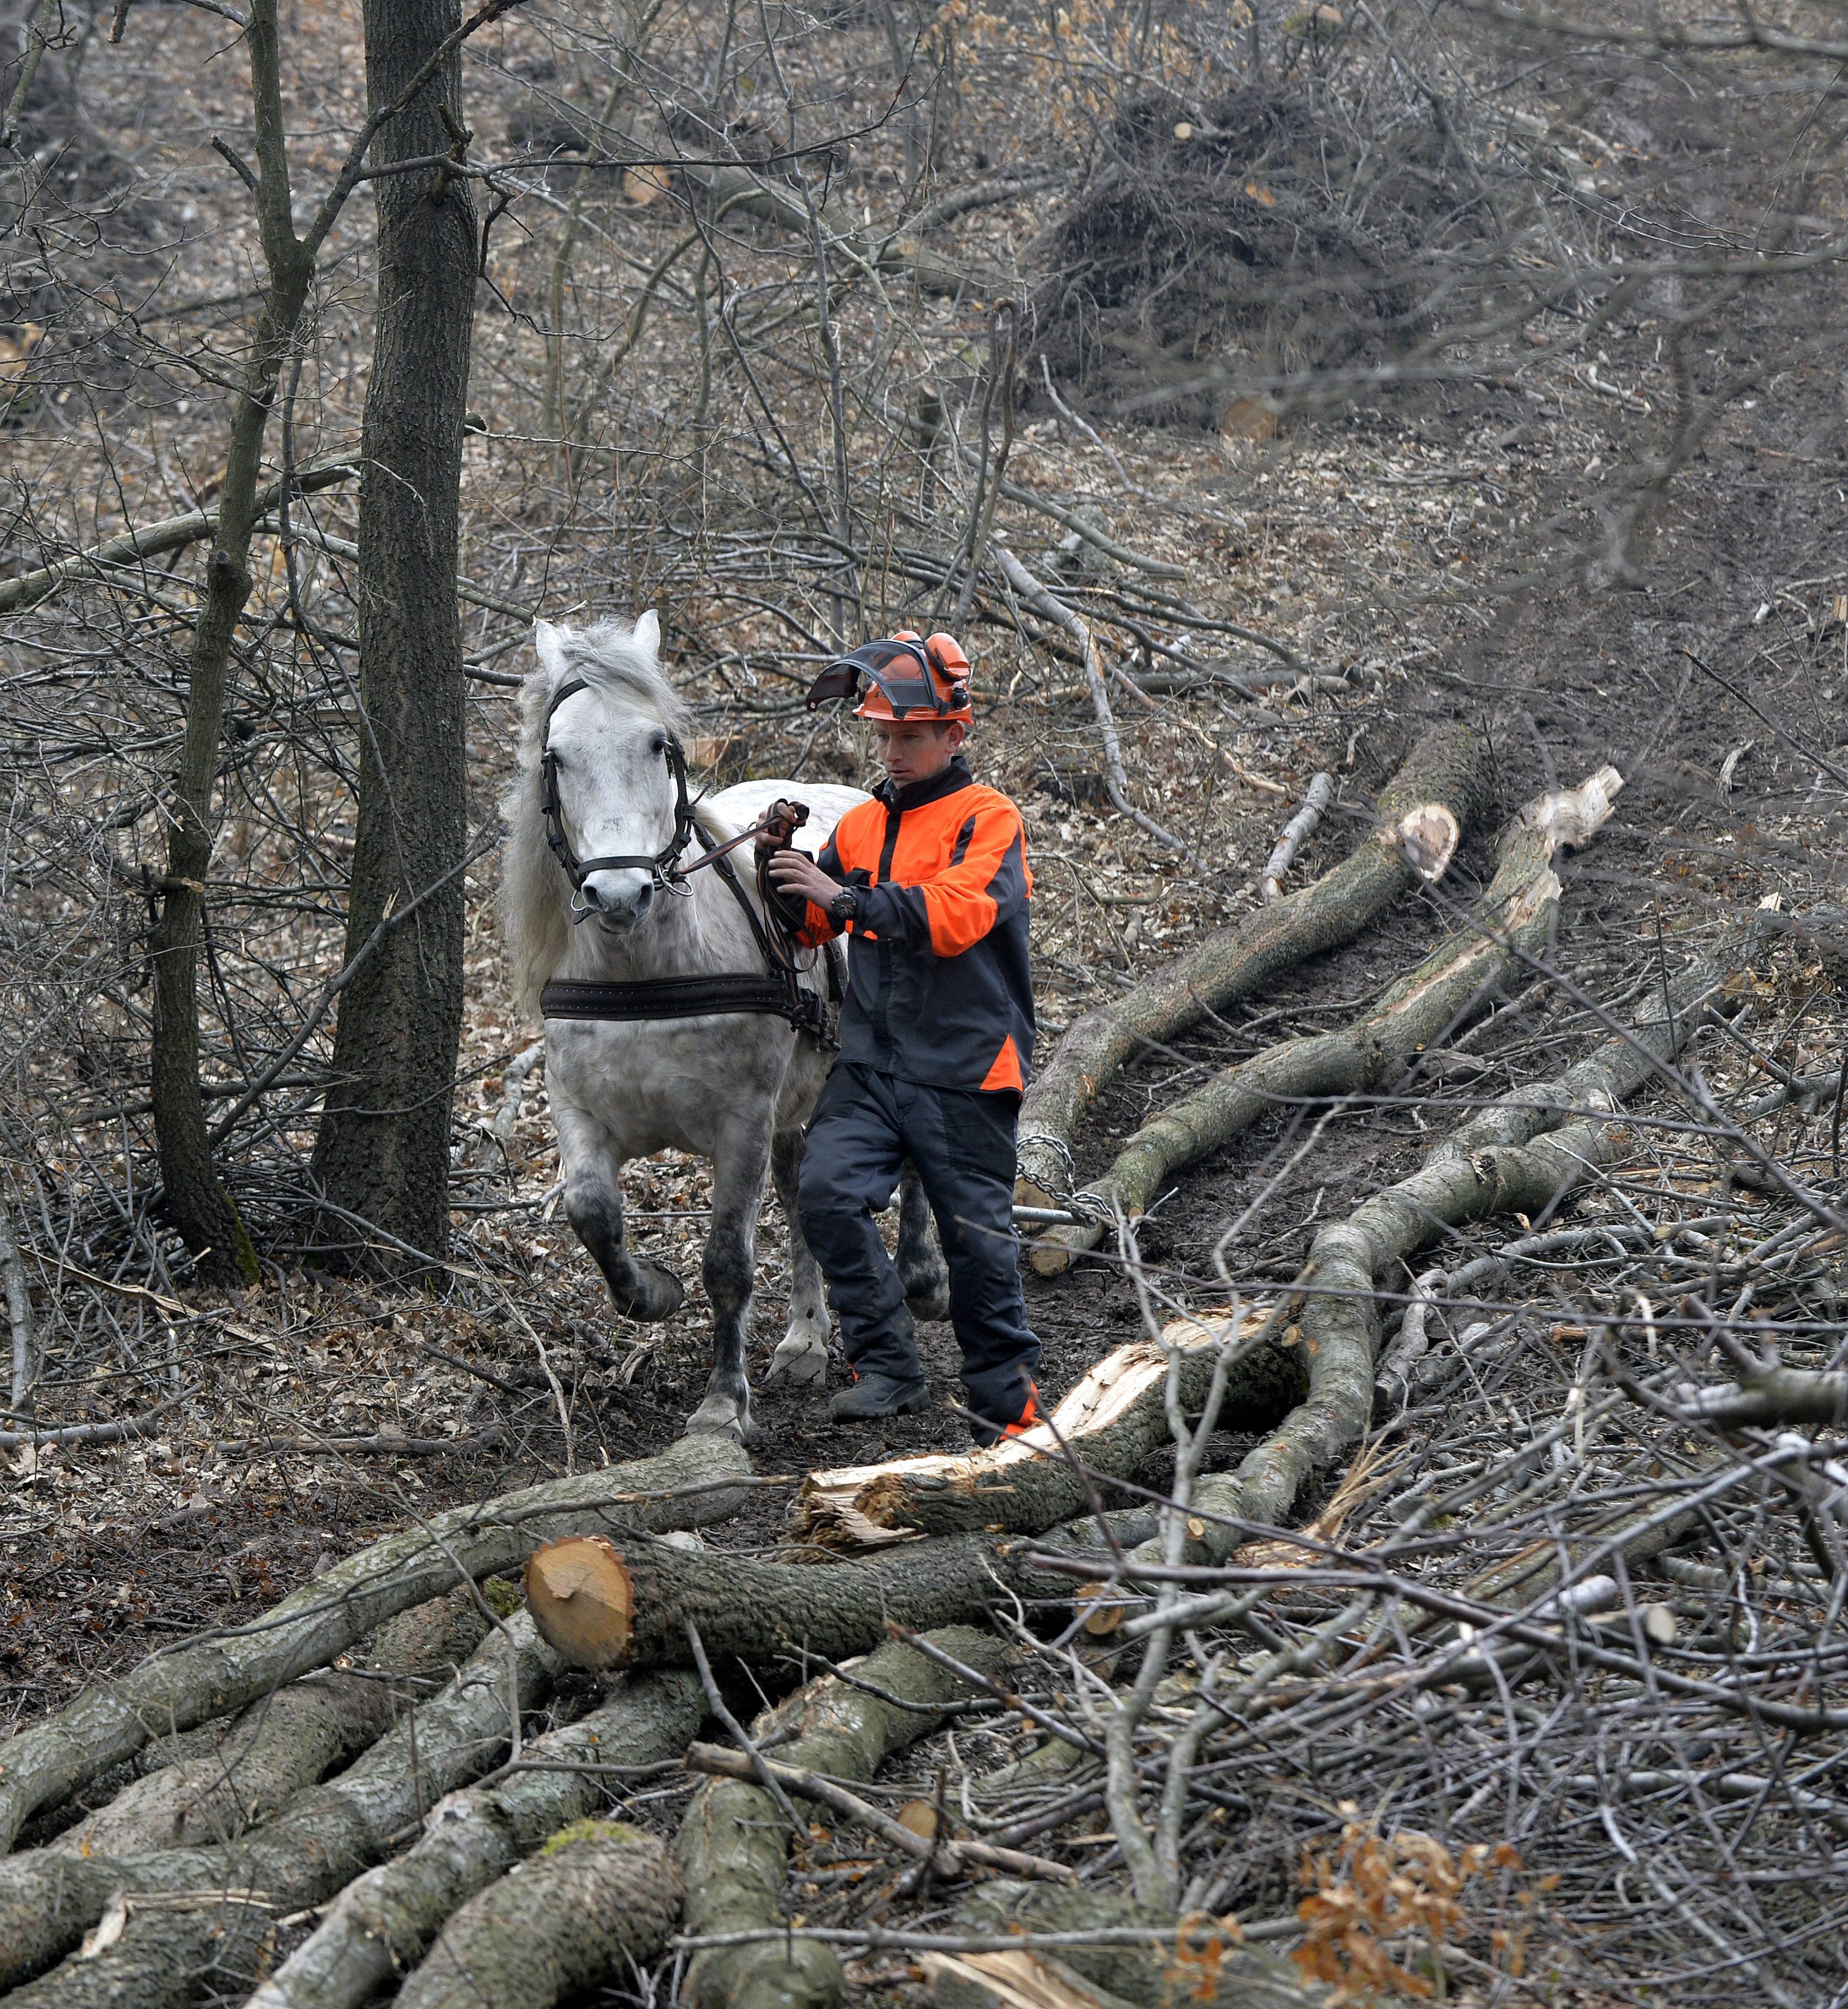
{"x":800,"y":1362}
{"x":928,"y":1298}
{"x":721,"y":1415}
{"x":658,"y":1294}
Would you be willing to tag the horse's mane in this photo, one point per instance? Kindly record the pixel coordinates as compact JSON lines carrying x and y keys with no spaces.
{"x":535,"y":896}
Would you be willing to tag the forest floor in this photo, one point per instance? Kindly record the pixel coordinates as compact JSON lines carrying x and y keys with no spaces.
{"x":151,"y":1539}
{"x":1432,"y":550}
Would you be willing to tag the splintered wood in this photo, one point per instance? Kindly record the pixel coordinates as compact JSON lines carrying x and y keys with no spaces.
{"x":1008,"y":1981}
{"x":871,"y":1506}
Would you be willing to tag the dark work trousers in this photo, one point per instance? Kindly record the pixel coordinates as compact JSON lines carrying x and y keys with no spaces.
{"x":865,"y":1125}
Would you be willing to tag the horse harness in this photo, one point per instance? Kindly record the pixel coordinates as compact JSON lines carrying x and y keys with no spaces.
{"x":779,"y":994}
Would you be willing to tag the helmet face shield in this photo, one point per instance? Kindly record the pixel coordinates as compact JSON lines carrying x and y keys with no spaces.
{"x":899,"y":669}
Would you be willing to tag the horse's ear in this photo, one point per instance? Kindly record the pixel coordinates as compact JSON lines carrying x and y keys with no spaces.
{"x":648,"y":631}
{"x":550,"y":645}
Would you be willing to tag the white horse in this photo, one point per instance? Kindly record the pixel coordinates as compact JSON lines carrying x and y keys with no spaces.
{"x":607,"y":905}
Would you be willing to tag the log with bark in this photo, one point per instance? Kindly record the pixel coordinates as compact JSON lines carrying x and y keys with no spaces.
{"x":735,"y":1840}
{"x":603,"y":1604}
{"x":165,"y":1926}
{"x":1107,"y":1425}
{"x":382,"y":1924}
{"x":693,"y":1482}
{"x":597,"y":1899}
{"x":1464,"y":1179}
{"x":1440,"y":790}
{"x":221,"y":1779}
{"x":1513,"y":917}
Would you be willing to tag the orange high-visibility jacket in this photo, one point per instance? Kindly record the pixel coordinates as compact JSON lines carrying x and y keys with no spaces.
{"x":939,"y":984}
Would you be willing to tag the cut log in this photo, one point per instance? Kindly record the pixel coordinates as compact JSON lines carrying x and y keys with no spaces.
{"x":1447,"y":769}
{"x":735,"y":1840}
{"x":685,"y":1486}
{"x":596,"y":1896}
{"x":381,"y":1925}
{"x":1341,"y":1319}
{"x":1513,"y":917}
{"x":229,"y":1778}
{"x":1115,"y":1417}
{"x":578,"y":1593}
{"x":1197,"y":1960}
{"x":196,"y":1917}
{"x":758,"y":1612}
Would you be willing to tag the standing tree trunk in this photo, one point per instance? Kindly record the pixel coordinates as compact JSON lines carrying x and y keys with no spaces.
{"x":383,"y":1149}
{"x":197,"y":1203}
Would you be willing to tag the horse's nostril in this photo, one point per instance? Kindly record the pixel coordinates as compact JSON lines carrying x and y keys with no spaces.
{"x":644,"y":899}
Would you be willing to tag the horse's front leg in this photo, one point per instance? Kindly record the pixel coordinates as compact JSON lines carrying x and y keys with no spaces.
{"x":922,"y":1274}
{"x":593,"y":1207}
{"x":739,"y":1164}
{"x":801,"y":1358}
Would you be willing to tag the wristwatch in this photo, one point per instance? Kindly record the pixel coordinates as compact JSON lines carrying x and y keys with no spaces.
{"x":844,"y":907}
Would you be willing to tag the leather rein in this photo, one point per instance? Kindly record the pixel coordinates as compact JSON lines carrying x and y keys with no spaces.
{"x":779,"y":994}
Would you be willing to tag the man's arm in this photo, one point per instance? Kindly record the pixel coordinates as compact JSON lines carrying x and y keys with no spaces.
{"x":986,"y":884}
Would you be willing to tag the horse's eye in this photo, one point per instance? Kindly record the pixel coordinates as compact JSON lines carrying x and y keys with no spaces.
{"x":660,"y":745}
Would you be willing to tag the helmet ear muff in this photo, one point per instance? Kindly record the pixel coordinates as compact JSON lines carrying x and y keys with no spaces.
{"x":947,"y":658}
{"x":946,"y":652}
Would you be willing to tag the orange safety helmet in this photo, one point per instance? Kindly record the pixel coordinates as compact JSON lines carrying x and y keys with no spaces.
{"x":907,"y":678}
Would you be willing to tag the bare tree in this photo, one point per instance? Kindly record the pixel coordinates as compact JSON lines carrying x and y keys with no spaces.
{"x":196,"y":1202}
{"x":382,"y":1152}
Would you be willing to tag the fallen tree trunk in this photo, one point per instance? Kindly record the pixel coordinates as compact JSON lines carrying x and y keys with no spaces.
{"x":1341,"y":1320}
{"x":602,"y":1606}
{"x":735,"y":1839}
{"x":382,"y":1924}
{"x":190,"y":1920}
{"x":597,"y":1897}
{"x":226,"y":1778}
{"x":1514,"y":915}
{"x":1443,"y":785}
{"x":1109,"y":1423}
{"x":687,"y":1486}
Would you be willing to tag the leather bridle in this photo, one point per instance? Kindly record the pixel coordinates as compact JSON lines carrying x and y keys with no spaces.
{"x":779,"y":994}
{"x":661,"y":865}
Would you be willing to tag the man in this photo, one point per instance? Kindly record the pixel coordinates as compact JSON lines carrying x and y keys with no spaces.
{"x":929,"y":879}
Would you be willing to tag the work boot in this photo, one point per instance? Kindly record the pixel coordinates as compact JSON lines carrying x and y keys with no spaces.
{"x":876,"y":1393}
{"x":986,"y":1434}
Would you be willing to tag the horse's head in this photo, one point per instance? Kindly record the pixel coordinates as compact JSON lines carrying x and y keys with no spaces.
{"x":599,"y":812}
{"x":612,"y":771}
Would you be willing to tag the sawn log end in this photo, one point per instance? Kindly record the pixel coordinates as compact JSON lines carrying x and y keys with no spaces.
{"x":582,"y":1598}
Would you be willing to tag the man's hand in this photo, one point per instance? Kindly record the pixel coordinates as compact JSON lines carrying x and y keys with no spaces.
{"x":781,"y":822}
{"x":795,"y":872}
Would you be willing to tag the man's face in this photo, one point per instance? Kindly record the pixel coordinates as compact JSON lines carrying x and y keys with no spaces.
{"x":914,"y":750}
